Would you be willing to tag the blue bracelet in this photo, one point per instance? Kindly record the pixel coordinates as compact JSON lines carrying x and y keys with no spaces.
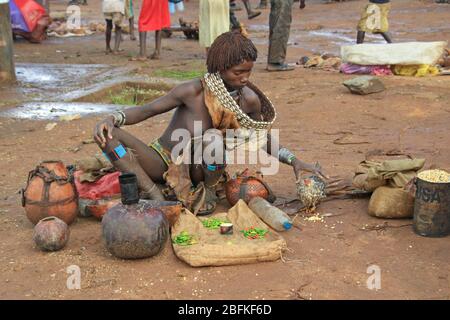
{"x":118,"y":153}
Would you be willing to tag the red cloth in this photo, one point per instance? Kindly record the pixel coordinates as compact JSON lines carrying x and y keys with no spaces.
{"x":106,"y":186}
{"x":31,"y":12}
{"x":154,"y":15}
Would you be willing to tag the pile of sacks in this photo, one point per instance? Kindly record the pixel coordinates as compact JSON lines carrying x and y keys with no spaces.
{"x":388,"y":177}
{"x":416,"y":59}
{"x":60,"y":28}
{"x":325,"y":61}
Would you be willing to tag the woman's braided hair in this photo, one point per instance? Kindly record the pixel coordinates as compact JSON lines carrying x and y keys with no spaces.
{"x":228,"y":50}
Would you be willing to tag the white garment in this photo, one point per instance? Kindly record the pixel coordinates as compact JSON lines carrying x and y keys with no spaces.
{"x":111,"y":6}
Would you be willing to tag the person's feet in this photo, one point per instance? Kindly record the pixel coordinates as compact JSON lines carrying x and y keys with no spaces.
{"x":108,"y":51}
{"x":154,"y":56}
{"x":132,"y":37}
{"x":117,"y":52}
{"x":253,"y":14}
{"x":279,"y":67}
{"x":210,"y":203}
{"x":139,"y":58}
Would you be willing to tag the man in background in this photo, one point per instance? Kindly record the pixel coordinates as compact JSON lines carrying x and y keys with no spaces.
{"x":280,"y":25}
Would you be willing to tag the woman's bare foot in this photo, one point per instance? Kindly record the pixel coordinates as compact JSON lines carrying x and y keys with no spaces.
{"x":118,"y":52}
{"x":139,"y":58}
{"x":108,"y":51}
{"x":154,"y":56}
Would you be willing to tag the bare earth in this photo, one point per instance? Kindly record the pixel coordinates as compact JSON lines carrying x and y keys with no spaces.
{"x":326,"y":260}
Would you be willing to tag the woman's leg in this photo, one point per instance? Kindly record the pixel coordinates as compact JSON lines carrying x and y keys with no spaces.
{"x":157,"y":52}
{"x":139,"y":159}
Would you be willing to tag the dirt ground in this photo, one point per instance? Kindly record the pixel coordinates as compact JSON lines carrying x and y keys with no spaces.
{"x":326,"y":260}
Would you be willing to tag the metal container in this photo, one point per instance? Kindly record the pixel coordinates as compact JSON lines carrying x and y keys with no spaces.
{"x":432,"y":209}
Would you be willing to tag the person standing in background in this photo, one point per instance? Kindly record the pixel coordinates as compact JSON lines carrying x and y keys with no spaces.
{"x":154,"y":16}
{"x":250,"y":13}
{"x":374,"y":19}
{"x":279,"y":27}
{"x":262,"y":4}
{"x":114,"y":13}
{"x":129,"y":13}
{"x":214,"y":19}
{"x":176,"y":5}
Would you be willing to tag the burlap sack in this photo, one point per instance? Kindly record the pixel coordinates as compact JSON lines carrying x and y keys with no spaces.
{"x":361,"y":181}
{"x":371,"y":174}
{"x":215,"y":249}
{"x":390,"y":202}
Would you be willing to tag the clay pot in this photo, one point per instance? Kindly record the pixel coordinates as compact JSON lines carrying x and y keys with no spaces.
{"x":99,"y":207}
{"x":135,"y":231}
{"x":50,"y":192}
{"x":246,"y":187}
{"x":51,"y":234}
{"x":171,"y":209}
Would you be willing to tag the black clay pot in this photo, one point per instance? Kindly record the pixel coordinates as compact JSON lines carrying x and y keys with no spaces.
{"x":136,"y":230}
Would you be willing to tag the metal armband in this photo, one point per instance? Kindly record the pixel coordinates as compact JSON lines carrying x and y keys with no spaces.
{"x":119,"y":118}
{"x":286,"y":156}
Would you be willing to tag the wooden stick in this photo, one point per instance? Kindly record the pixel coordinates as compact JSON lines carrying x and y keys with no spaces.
{"x":7,"y":69}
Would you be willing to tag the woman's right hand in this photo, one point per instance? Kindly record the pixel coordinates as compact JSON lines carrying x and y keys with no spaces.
{"x":100,"y":128}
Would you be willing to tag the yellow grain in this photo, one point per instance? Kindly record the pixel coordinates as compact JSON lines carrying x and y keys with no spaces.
{"x":436,"y":176}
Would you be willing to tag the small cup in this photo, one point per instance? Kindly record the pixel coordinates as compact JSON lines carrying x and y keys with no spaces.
{"x":226,"y":228}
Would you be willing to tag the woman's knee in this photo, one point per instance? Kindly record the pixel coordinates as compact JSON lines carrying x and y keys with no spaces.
{"x":112,"y":138}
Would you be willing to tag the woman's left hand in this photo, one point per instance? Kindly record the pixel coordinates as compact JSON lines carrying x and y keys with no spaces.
{"x":300,"y":166}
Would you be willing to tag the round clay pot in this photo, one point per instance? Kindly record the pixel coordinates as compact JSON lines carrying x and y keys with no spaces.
{"x":99,"y":207}
{"x":51,"y":234}
{"x":135,"y":231}
{"x":50,"y":192}
{"x":245,"y":187}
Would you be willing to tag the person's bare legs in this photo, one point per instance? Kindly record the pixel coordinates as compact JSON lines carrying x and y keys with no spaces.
{"x":142,"y":47}
{"x":387,"y":37}
{"x":156,"y":54}
{"x":212,"y":168}
{"x":108,"y":33}
{"x":250,"y":13}
{"x":140,"y":160}
{"x":118,"y":39}
{"x":132,"y":35}
{"x":360,"y":37}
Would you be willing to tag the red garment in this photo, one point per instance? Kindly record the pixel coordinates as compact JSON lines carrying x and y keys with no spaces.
{"x":154,"y":15}
{"x":106,"y":186}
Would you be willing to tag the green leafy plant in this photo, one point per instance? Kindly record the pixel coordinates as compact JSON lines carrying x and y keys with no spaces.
{"x":185,"y":239}
{"x":254,"y":233}
{"x":134,"y":96}
{"x":213,"y":223}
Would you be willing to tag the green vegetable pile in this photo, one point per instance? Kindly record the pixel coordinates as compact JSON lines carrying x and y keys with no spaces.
{"x":254,"y":233}
{"x":212,"y":223}
{"x":184,"y":239}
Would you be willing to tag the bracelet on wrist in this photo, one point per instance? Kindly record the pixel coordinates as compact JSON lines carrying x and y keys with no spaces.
{"x":119,"y":118}
{"x":286,"y":156}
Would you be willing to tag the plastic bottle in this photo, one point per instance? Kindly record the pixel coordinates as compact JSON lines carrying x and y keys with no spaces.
{"x":270,"y":214}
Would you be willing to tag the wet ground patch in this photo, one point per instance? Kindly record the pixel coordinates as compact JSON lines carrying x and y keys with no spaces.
{"x":58,"y":91}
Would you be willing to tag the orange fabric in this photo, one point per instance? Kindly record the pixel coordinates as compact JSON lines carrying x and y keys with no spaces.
{"x":222,"y":118}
